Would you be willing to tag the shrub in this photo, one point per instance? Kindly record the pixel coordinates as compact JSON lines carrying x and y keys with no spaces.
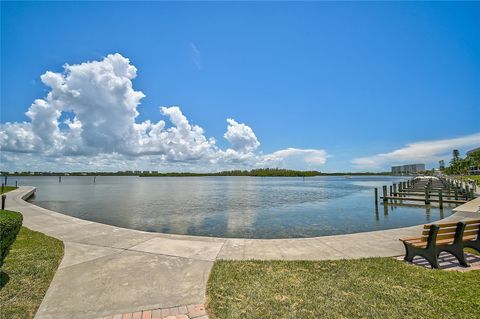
{"x":10,"y":223}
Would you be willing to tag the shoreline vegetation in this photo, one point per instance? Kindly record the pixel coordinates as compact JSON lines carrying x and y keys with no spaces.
{"x":262,"y":172}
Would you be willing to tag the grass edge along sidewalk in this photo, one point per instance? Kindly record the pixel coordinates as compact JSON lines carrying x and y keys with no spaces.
{"x":26,"y":275}
{"x":7,"y":189}
{"x":362,"y":288}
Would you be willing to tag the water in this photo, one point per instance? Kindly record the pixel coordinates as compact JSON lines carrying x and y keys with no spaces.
{"x":247,"y":207}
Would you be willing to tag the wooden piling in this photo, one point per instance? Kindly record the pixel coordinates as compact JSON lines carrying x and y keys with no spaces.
{"x":395,"y":190}
{"x":4,"y":197}
{"x":440,"y":199}
{"x":384,"y":193}
{"x":427,"y":197}
{"x":376,"y":196}
{"x":391,"y":190}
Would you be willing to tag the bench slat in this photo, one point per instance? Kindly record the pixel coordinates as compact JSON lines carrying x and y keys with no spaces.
{"x":441,"y":242}
{"x":452,"y":224}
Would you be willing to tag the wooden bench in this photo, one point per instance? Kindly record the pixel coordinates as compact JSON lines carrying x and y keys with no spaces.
{"x":451,"y":237}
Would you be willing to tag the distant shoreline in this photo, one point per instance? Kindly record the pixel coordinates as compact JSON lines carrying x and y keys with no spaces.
{"x":251,"y":173}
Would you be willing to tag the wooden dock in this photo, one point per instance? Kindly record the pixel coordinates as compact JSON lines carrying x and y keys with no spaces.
{"x":419,"y":199}
{"x":427,"y":190}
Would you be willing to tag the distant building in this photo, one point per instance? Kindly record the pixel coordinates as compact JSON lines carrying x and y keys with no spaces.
{"x":408,"y":169}
{"x":474,"y":170}
{"x":474,"y":150}
{"x":441,"y":164}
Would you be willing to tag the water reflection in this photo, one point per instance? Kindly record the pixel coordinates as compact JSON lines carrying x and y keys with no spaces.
{"x":231,"y":206}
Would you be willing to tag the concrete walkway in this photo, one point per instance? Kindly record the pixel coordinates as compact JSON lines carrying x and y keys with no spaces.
{"x":108,"y":270}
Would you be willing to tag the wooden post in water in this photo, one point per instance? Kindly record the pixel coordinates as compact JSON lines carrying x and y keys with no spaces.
{"x":59,"y":179}
{"x":376,"y":197}
{"x":440,"y":199}
{"x":385,"y":193}
{"x":467,"y":191}
{"x":391,"y":190}
{"x":395,"y":190}
{"x":427,"y":199}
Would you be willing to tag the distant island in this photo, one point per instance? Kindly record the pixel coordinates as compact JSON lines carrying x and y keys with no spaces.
{"x":254,"y":172}
{"x":261,"y":172}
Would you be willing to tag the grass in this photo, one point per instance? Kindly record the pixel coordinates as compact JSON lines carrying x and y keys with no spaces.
{"x":365,"y":288}
{"x":27,"y":273}
{"x":7,"y":189}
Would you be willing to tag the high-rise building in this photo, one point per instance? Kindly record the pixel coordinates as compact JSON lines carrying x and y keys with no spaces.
{"x":408,"y":169}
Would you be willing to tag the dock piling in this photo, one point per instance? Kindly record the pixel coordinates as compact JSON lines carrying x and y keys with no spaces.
{"x":376,"y":197}
{"x":440,"y":199}
{"x":427,"y":197}
{"x":385,"y":199}
{"x":4,"y":197}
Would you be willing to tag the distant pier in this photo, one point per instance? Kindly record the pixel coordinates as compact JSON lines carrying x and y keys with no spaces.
{"x":427,"y":190}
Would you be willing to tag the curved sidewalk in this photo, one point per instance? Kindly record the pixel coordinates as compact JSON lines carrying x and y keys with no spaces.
{"x":108,"y":269}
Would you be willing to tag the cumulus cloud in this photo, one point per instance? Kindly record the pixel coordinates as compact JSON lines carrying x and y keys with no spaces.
{"x":88,"y":119}
{"x":241,"y":137}
{"x":426,"y":151}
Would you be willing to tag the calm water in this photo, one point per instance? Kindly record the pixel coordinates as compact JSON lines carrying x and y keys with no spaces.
{"x":251,"y":207}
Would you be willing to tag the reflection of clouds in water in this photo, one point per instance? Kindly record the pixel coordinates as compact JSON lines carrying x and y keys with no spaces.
{"x":180,"y":208}
{"x":241,"y":219}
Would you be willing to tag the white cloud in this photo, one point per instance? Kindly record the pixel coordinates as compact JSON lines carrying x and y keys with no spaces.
{"x":98,"y":131}
{"x":310,"y":156}
{"x":241,"y":137}
{"x":423,"y":152}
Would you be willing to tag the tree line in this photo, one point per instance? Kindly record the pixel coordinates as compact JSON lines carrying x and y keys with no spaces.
{"x":462,"y":166}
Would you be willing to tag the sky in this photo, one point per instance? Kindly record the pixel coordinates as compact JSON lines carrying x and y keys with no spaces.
{"x":207,"y":86}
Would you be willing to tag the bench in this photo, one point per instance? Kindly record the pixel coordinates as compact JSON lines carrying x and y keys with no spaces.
{"x":451,"y":237}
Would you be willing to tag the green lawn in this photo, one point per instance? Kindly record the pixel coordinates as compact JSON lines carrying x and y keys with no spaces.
{"x":7,"y":189}
{"x":365,"y":288}
{"x":27,"y":272}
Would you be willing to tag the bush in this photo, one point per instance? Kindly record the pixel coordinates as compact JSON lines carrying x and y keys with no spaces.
{"x":10,"y":223}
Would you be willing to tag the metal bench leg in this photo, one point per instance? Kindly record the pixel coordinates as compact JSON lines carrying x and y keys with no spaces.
{"x":456,"y":251}
{"x":409,"y":253}
{"x":431,"y":258}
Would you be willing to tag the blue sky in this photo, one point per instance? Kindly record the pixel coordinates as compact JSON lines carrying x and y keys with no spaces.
{"x":352,"y":86}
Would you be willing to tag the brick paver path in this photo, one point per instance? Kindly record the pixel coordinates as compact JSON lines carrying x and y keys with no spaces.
{"x":447,"y":261}
{"x":181,"y":312}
